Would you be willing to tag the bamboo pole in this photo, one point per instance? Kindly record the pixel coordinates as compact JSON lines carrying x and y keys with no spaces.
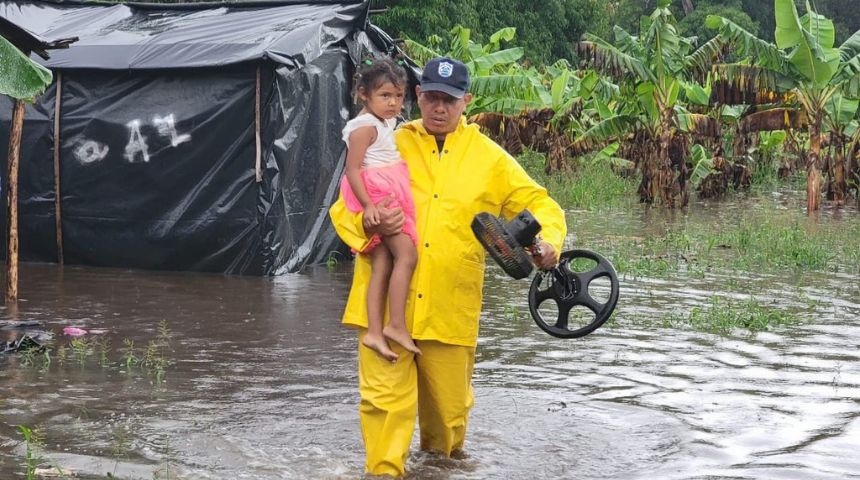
{"x":12,"y":203}
{"x":58,"y":216}
{"x":258,"y":167}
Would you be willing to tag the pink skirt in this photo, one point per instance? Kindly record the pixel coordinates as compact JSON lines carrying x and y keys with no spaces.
{"x":380,"y":183}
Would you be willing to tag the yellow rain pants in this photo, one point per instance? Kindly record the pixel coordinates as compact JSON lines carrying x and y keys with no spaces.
{"x":436,"y":385}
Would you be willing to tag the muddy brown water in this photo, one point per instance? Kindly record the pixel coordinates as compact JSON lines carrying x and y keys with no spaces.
{"x":261,"y":381}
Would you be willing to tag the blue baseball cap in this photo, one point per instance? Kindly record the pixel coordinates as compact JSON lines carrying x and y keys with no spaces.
{"x":445,"y":75}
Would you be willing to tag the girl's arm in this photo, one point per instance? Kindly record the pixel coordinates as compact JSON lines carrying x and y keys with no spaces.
{"x":359,"y":140}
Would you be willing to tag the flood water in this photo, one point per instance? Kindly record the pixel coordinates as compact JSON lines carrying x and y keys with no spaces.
{"x":260,"y":381}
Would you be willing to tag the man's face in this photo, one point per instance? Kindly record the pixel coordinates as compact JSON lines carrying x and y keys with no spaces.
{"x":440,"y":112}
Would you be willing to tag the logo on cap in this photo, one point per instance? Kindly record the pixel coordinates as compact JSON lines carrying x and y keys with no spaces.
{"x":446,"y":69}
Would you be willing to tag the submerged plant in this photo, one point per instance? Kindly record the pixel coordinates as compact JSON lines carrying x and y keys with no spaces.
{"x":511,"y":312}
{"x":28,"y":357}
{"x":62,"y":353}
{"x":163,"y":472}
{"x":81,"y":350}
{"x":756,"y":240}
{"x":104,"y":348}
{"x":129,"y":356}
{"x":33,"y":440}
{"x":164,"y":333}
{"x":331,"y":260}
{"x":724,"y":316}
{"x":46,"y":360}
{"x":154,"y":362}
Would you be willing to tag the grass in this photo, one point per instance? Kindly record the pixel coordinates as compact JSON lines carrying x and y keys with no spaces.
{"x":724,"y":316}
{"x":768,"y":241}
{"x":587,"y":186}
{"x":765,"y":177}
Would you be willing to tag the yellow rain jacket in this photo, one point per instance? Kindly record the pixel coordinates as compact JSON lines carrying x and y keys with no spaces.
{"x":444,"y":300}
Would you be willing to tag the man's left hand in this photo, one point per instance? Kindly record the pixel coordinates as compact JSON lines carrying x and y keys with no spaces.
{"x":544,"y":256}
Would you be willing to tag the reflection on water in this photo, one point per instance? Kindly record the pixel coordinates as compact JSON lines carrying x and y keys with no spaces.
{"x":261,"y":381}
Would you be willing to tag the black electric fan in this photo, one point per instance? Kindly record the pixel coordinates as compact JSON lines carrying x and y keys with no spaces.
{"x":511,"y":244}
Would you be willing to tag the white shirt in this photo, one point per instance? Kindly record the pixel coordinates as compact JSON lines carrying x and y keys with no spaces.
{"x":383,"y":151}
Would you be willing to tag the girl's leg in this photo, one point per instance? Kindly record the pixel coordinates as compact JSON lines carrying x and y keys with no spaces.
{"x":380,"y":272}
{"x":405,"y":257}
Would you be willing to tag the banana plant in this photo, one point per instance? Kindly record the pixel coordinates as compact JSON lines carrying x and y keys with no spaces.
{"x":842,"y":125}
{"x":804,"y":66}
{"x":499,"y":82}
{"x":518,"y":105}
{"x":652,"y":70}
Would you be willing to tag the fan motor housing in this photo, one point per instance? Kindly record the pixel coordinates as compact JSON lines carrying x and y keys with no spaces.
{"x":506,"y":242}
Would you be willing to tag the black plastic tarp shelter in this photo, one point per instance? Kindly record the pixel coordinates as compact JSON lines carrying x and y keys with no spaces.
{"x":154,"y":133}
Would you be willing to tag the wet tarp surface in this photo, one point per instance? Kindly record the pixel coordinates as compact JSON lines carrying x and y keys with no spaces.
{"x":138,"y":36}
{"x":157,"y":134}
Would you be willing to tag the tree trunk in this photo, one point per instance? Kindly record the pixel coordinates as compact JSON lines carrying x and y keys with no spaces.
{"x":813,"y":175}
{"x":558,"y":145}
{"x":688,"y":6}
{"x":840,"y":182}
{"x":12,"y":203}
{"x":649,"y":188}
{"x":665,"y":176}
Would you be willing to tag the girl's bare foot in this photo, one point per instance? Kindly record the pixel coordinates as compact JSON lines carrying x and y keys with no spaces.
{"x":380,"y":346}
{"x":401,"y":336}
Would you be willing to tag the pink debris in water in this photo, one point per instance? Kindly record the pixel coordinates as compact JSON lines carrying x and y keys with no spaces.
{"x":74,"y":331}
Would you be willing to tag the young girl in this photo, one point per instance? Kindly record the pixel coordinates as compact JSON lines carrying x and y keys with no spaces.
{"x":375,"y":173}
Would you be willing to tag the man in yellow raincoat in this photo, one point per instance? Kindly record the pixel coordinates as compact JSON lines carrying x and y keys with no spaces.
{"x":456,"y":172}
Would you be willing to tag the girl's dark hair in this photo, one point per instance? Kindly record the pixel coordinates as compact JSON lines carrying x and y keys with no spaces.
{"x":374,"y":72}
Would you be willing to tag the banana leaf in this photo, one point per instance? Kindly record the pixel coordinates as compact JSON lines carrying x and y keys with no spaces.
{"x":841,"y":110}
{"x":605,"y":57}
{"x":851,"y":48}
{"x":611,"y":129}
{"x":810,"y":40}
{"x":765,"y":54}
{"x":20,"y":77}
{"x":703,"y":165}
{"x":484,"y":64}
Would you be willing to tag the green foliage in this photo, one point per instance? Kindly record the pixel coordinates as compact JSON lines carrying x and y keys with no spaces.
{"x":693,"y":25}
{"x":768,"y":153}
{"x":591,"y":185}
{"x":33,"y":442}
{"x":20,"y":77}
{"x":746,"y":13}
{"x":703,"y":165}
{"x":501,"y":83}
{"x":809,"y":41}
{"x":547,"y":29}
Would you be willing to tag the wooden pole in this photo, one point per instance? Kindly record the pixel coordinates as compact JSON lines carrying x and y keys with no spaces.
{"x":258,"y":167}
{"x":12,"y":203}
{"x":58,"y":216}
